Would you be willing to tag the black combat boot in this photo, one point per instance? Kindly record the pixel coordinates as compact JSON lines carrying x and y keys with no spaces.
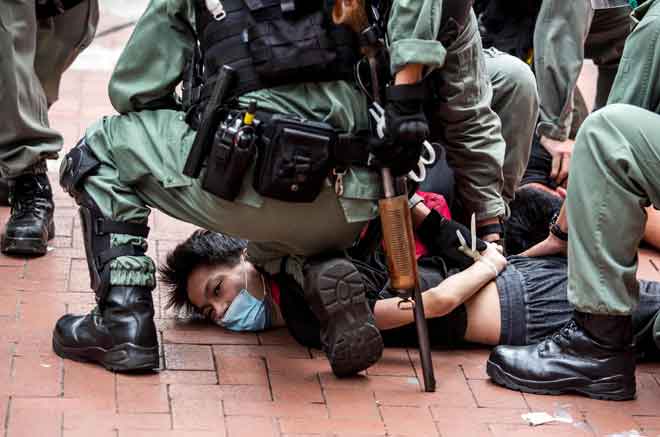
{"x":336,"y":295}
{"x":30,"y":225}
{"x":119,"y":333}
{"x":4,"y":192}
{"x":591,"y":355}
{"x":647,"y":337}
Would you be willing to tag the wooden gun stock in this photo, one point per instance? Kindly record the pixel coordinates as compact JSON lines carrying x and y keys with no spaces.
{"x":395,"y":214}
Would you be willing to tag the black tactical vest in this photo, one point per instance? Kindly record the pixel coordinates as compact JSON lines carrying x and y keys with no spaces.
{"x":275,"y":42}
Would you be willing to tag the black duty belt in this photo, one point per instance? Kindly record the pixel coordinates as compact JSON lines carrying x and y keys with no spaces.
{"x":347,"y":151}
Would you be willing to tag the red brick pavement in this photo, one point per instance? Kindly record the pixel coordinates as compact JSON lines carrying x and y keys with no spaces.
{"x":216,"y":383}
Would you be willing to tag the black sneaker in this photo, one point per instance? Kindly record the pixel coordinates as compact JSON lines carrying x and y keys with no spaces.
{"x":590,"y":355}
{"x":31,"y":224}
{"x":335,"y":292}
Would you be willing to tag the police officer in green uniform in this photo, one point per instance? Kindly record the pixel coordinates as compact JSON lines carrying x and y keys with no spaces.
{"x":129,"y":163}
{"x":38,"y":41}
{"x":619,"y":146}
{"x":566,"y":33}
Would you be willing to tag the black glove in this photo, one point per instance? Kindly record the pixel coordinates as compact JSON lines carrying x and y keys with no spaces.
{"x":406,"y":129}
{"x":439,"y":235}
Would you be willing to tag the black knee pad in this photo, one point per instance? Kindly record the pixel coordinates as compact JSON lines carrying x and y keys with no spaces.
{"x":79,"y":163}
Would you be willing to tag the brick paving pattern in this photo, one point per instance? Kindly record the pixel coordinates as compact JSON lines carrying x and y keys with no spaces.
{"x":215,"y":383}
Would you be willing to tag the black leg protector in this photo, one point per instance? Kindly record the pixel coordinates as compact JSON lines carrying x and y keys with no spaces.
{"x":79,"y":163}
{"x":96,"y":235}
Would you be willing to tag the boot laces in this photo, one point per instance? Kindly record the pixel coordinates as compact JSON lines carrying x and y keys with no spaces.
{"x":30,"y":197}
{"x":564,"y":333}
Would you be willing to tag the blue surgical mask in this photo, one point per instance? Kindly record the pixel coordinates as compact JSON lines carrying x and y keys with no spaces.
{"x":246,"y":312}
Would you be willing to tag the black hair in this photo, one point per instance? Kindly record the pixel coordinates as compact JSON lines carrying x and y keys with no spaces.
{"x":201,"y":248}
{"x":531,"y":212}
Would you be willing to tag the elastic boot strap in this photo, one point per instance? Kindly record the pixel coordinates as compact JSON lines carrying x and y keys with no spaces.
{"x":609,"y":330}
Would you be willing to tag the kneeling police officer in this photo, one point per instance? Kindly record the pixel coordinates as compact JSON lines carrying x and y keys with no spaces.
{"x":288,"y":128}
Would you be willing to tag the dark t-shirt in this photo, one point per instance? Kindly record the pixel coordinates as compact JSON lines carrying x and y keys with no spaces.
{"x":532,"y":293}
{"x":444,"y":332}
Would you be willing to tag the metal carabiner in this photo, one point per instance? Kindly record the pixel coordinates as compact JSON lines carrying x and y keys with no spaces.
{"x":423,"y":162}
{"x":339,"y":181}
{"x":378,"y":114}
{"x":217,"y":9}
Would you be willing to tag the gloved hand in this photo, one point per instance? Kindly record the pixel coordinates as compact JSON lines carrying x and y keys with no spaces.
{"x":439,"y":235}
{"x":406,"y":129}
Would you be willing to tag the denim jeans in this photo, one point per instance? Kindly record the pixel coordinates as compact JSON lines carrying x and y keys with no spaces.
{"x":534,"y":301}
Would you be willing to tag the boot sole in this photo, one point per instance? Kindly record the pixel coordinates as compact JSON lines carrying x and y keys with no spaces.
{"x":336,"y":295}
{"x":611,"y":388}
{"x":126,"y":357}
{"x":27,"y":246}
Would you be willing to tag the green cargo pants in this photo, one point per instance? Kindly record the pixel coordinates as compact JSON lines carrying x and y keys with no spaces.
{"x":566,"y":33}
{"x":638,"y":79}
{"x":465,"y":119}
{"x":142,"y":155}
{"x":618,"y":153}
{"x":34,"y":56}
{"x":516,"y":102}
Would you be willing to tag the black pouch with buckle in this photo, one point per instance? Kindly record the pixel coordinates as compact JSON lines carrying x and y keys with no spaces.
{"x":294,"y":159}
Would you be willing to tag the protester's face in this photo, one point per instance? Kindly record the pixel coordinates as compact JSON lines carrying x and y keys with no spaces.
{"x":213,"y":288}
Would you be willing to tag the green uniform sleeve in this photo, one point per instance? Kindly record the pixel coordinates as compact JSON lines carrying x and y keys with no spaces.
{"x":636,"y":80}
{"x":151,"y":65}
{"x":561,"y":30}
{"x":413,"y":31}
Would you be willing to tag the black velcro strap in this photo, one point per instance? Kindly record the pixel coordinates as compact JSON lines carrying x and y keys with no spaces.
{"x":414,"y":91}
{"x":495,"y":228}
{"x":351,"y":150}
{"x":115,"y":252}
{"x":104,"y":226}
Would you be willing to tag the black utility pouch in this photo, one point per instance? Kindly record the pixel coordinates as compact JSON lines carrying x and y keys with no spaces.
{"x":294,"y":159}
{"x":229,"y":161}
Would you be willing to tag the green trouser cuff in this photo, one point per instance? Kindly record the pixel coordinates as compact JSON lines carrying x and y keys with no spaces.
{"x":416,"y":51}
{"x":549,"y":130}
{"x":40,"y":167}
{"x":138,"y":271}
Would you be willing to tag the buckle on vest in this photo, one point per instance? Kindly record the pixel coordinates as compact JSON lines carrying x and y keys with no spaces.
{"x":217,"y":9}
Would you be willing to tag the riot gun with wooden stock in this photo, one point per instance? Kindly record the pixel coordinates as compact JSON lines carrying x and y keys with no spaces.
{"x":394,"y":210}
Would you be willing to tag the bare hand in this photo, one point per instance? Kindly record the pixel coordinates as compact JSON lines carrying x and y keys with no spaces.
{"x":550,"y":246}
{"x":493,"y":257}
{"x":561,"y":152}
